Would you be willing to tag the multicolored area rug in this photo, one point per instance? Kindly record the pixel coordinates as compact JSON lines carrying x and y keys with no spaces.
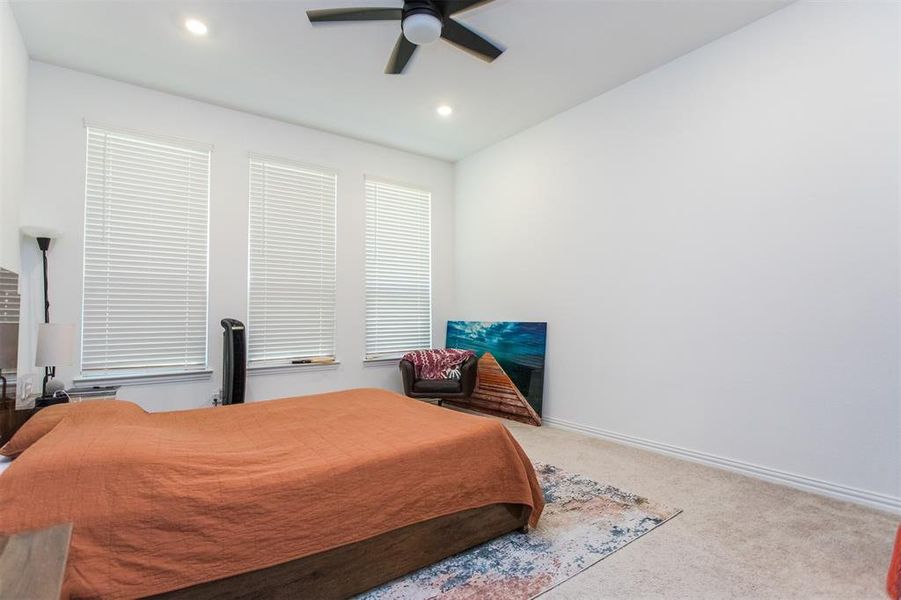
{"x":583,"y":522}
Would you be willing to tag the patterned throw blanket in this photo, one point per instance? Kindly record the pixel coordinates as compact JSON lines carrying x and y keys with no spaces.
{"x":438,"y":364}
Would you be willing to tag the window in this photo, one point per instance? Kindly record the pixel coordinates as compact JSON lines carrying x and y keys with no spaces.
{"x":9,"y":297}
{"x":145,"y":255}
{"x":292,"y":262}
{"x":9,"y":323}
{"x":398,"y":270}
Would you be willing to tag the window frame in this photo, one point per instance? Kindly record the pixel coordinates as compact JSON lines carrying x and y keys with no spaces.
{"x":269,"y":365}
{"x":10,"y":373}
{"x":394,"y":356}
{"x":146,"y":374}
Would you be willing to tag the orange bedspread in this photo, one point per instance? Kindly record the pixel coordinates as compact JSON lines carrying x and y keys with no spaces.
{"x":161,"y":501}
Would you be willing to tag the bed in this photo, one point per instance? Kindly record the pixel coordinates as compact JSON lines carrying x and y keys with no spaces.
{"x":316,"y":496}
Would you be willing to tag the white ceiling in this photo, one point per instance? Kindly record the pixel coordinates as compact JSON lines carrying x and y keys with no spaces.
{"x":264,"y":57}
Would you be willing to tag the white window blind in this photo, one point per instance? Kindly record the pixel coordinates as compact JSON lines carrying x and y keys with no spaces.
{"x":398,"y":270}
{"x":9,"y":316}
{"x":9,"y":297}
{"x":145,"y":255}
{"x":292,"y":262}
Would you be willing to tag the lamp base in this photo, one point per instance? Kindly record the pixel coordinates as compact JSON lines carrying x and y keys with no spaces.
{"x":53,"y":387}
{"x":45,"y":401}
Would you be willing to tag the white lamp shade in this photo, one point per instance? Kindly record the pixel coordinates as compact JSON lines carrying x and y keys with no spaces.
{"x":37,"y":231}
{"x":9,"y":345}
{"x":56,"y":345}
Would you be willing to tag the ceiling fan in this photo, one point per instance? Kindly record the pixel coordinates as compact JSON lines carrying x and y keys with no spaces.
{"x":422,"y":22}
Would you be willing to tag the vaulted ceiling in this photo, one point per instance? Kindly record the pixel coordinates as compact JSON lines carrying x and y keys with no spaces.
{"x":266,"y":58}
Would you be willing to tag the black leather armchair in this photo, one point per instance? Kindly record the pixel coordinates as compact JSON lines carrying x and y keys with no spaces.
{"x":441,"y":389}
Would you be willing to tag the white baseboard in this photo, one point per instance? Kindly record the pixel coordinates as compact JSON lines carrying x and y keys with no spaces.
{"x":808,"y":484}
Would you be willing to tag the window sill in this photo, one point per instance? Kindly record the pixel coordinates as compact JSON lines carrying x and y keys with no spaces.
{"x":377,"y":362}
{"x":146,"y":379}
{"x":289,"y":368}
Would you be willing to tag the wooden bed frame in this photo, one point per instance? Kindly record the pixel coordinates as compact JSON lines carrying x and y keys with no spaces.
{"x":355,"y":568}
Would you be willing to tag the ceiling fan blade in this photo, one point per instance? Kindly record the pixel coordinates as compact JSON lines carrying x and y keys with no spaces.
{"x":466,"y":38}
{"x":325,"y":15}
{"x":450,"y":7}
{"x":403,"y":50}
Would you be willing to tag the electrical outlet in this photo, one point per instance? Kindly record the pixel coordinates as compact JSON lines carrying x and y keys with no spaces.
{"x":215,"y":398}
{"x":24,"y":386}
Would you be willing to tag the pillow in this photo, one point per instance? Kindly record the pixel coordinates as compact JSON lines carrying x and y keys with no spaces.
{"x":452,"y":373}
{"x":35,"y":428}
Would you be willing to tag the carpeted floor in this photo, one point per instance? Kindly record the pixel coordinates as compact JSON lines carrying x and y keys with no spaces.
{"x":737,"y":537}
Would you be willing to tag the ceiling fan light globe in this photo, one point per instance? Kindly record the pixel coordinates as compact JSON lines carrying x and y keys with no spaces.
{"x":422,"y":29}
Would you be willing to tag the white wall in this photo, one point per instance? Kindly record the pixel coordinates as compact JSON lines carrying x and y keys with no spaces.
{"x":13,"y":87}
{"x":58,"y":102}
{"x":715,"y":248}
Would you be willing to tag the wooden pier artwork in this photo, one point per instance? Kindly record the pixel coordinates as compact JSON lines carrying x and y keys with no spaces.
{"x":497,"y":395}
{"x":511,"y":354}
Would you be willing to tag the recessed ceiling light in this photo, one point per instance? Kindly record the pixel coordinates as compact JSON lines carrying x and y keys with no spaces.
{"x":444,"y":110}
{"x":196,"y":26}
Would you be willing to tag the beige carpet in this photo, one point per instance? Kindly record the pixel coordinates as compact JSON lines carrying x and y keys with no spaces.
{"x":737,"y":537}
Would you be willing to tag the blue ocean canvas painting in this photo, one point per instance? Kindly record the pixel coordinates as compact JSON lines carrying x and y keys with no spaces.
{"x":511,"y":365}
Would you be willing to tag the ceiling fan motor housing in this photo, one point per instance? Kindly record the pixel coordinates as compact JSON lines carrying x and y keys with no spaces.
{"x":420,"y":7}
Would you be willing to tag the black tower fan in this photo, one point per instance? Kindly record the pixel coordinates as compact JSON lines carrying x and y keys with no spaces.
{"x":234,"y":361}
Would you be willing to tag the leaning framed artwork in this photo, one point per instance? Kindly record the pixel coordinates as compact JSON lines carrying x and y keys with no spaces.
{"x":511,"y":366}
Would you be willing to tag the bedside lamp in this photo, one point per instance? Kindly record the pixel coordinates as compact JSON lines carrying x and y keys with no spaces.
{"x":55,"y":348}
{"x":9,"y":351}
